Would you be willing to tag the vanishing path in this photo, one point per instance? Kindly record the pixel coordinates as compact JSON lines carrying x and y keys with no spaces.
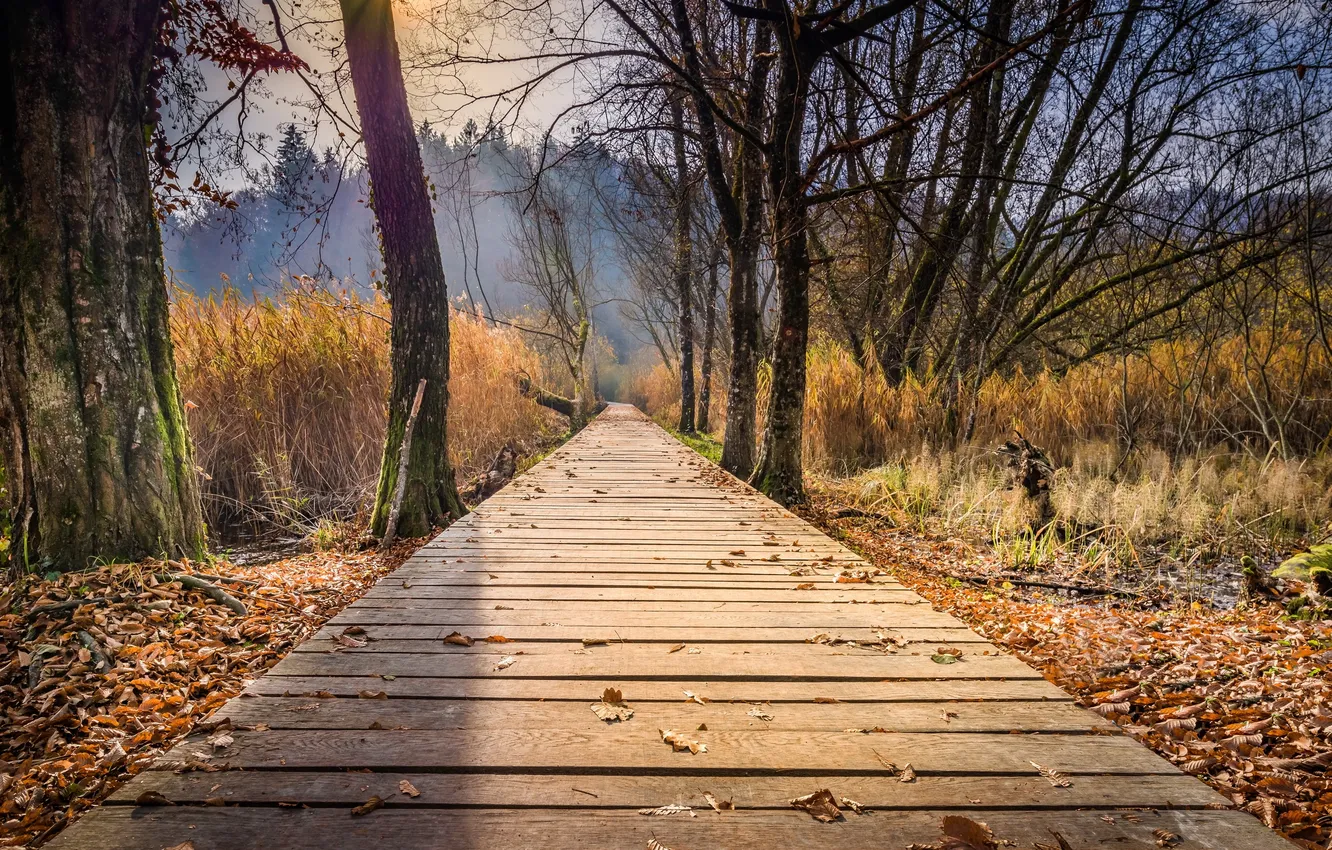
{"x":679,"y":579}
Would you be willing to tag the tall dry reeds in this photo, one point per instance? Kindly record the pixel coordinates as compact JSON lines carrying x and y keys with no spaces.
{"x":286,"y":399}
{"x":1219,"y":448}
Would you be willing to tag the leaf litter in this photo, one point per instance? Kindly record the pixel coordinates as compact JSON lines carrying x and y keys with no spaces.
{"x":106,"y":669}
{"x":1238,"y":697}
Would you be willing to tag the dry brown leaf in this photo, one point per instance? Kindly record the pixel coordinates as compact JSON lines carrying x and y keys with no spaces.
{"x":152,"y":798}
{"x":458,"y":639}
{"x":1053,"y":776}
{"x":672,"y":809}
{"x":506,"y":662}
{"x":826,"y":700}
{"x":1165,"y":838}
{"x":368,"y":806}
{"x":853,"y":805}
{"x":676,"y":648}
{"x":759,"y":713}
{"x":963,"y":833}
{"x":908,"y":773}
{"x":612,"y":707}
{"x":372,"y":695}
{"x":405,"y":787}
{"x":718,"y":806}
{"x":821,"y":805}
{"x":596,"y":641}
{"x":690,"y":696}
{"x":680,"y":743}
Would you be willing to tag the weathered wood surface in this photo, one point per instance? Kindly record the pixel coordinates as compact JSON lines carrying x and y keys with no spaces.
{"x":681,"y":581}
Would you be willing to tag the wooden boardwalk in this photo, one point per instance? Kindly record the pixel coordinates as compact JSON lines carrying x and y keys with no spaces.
{"x":680,"y":581}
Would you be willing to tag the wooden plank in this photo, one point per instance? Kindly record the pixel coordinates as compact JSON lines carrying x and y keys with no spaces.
{"x":832,"y":617}
{"x":638,"y":748}
{"x":632,"y":664}
{"x":275,"y":684}
{"x":410,"y":828}
{"x":443,"y":790}
{"x":664,"y":636}
{"x":397,"y":714}
{"x":795,"y":649}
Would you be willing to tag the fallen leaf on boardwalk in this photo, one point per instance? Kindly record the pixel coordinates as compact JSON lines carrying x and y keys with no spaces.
{"x":372,"y":695}
{"x":853,"y":805}
{"x":1165,"y":838}
{"x":184,"y":845}
{"x":350,"y":642}
{"x":368,"y":806}
{"x":458,"y":639}
{"x":354,"y":630}
{"x":857,"y":576}
{"x":612,"y":706}
{"x":867,"y":731}
{"x":1054,"y":777}
{"x":498,"y":639}
{"x":759,"y":713}
{"x":737,"y":552}
{"x":679,"y":743}
{"x":596,"y":641}
{"x":942,"y":658}
{"x":908,"y":773}
{"x":676,"y":648}
{"x":672,"y":809}
{"x":826,"y":700}
{"x":221,"y":742}
{"x":821,"y":805}
{"x":718,"y":806}
{"x":505,"y":662}
{"x":152,"y":798}
{"x":690,"y":696}
{"x":808,"y":585}
{"x":961,"y":833}
{"x":693,"y":650}
{"x":654,"y":844}
{"x":408,"y":788}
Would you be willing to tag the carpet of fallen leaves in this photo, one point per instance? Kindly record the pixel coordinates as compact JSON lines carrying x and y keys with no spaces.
{"x":101,"y":671}
{"x":1240,"y":698}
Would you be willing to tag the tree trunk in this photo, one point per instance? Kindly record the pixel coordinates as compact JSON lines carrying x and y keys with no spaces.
{"x":413,"y":272}
{"x":684,"y":290}
{"x":779,"y":471}
{"x":737,"y":455}
{"x":702,"y":421}
{"x":95,"y":447}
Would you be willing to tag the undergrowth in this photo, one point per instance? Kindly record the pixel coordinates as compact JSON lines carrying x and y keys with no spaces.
{"x":286,"y":399}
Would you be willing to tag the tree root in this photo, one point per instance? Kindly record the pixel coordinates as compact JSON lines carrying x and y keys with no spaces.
{"x":216,"y":593}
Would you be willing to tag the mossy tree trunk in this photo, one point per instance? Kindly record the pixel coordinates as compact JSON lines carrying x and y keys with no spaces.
{"x":98,"y":460}
{"x":414,"y":274}
{"x":684,"y":255}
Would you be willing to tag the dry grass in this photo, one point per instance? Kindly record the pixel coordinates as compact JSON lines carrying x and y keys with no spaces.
{"x":1198,"y":451}
{"x":287,"y":399}
{"x":652,"y":387}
